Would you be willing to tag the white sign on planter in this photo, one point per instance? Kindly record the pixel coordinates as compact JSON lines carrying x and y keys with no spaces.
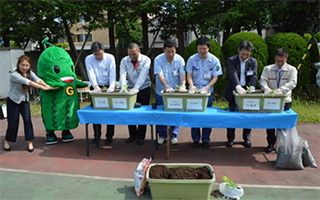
{"x":119,"y":103}
{"x":251,"y":104}
{"x":194,"y":104}
{"x":175,"y":103}
{"x":101,"y":102}
{"x":271,"y":104}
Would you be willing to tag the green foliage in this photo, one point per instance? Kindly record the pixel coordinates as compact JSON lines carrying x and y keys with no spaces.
{"x":215,"y":49}
{"x":260,"y":52}
{"x":128,"y":31}
{"x":315,"y":51}
{"x":296,"y":46}
{"x":229,"y":182}
{"x":65,"y":46}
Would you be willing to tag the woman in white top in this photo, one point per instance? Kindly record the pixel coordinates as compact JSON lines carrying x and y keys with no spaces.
{"x":18,"y":101}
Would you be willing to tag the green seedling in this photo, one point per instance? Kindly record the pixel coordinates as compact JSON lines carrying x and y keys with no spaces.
{"x":249,"y":90}
{"x":178,"y":86}
{"x":229,"y":182}
{"x":272,"y":91}
{"x":104,"y":87}
{"x":124,"y":88}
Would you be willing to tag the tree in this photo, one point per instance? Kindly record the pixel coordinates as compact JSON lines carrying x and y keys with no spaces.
{"x":24,"y":21}
{"x":295,"y":16}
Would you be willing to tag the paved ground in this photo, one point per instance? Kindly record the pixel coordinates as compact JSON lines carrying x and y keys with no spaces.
{"x":63,"y":171}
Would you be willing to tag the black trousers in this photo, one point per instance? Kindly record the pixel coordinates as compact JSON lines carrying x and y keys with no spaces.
{"x":13,"y":111}
{"x":246,"y":134}
{"x":97,"y":127}
{"x":139,"y":131}
{"x":271,"y":133}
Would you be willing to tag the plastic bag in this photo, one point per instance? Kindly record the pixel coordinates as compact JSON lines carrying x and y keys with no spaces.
{"x":140,"y":182}
{"x":307,"y":158}
{"x":289,"y":149}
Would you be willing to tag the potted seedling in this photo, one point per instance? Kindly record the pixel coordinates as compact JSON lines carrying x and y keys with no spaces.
{"x":124,"y":89}
{"x":229,"y":189}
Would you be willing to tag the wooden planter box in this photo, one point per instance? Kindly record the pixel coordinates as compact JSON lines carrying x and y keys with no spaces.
{"x":259,"y":102}
{"x":178,"y":101}
{"x":181,"y":188}
{"x":113,"y":100}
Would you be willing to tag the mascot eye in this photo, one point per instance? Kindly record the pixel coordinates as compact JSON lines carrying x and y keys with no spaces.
{"x":72,"y":68}
{"x":57,"y":69}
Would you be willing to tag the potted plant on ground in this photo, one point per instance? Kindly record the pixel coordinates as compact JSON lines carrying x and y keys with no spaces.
{"x":229,"y":189}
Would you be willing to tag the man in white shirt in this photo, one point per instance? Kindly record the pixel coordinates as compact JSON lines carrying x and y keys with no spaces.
{"x":282,"y":79}
{"x":101,"y":69}
{"x":169,"y":71}
{"x":134,"y":72}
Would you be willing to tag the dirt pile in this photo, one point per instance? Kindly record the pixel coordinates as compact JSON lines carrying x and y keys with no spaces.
{"x":182,"y":172}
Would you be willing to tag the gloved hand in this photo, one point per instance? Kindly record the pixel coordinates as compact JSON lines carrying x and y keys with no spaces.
{"x":133,"y":91}
{"x":267,"y":91}
{"x":192,"y":90}
{"x":204,"y":90}
{"x":240,"y":89}
{"x":168,"y":88}
{"x":110,"y":89}
{"x":96,"y":89}
{"x":252,"y":88}
{"x":123,"y":90}
{"x":182,"y":88}
{"x":278,"y":91}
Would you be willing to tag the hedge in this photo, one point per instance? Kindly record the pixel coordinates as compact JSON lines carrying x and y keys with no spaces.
{"x":260,"y":52}
{"x":296,"y":46}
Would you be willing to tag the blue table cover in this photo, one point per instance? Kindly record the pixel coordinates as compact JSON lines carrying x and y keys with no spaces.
{"x":213,"y":117}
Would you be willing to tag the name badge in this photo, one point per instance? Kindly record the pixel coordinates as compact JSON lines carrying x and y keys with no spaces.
{"x":249,"y":72}
{"x":207,"y":76}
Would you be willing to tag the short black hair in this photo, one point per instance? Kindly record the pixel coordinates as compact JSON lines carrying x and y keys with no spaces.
{"x":169,"y":43}
{"x":133,"y":46}
{"x":96,"y":46}
{"x":203,"y":40}
{"x":281,"y":52}
{"x":246,"y":45}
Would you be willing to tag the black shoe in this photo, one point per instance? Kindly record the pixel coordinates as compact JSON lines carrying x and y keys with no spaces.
{"x":130,"y":139}
{"x":270,"y":148}
{"x":109,"y":141}
{"x":6,"y":149}
{"x":30,"y":150}
{"x":247,"y":143}
{"x":140,"y":142}
{"x":229,"y":143}
{"x":205,"y":145}
{"x":195,"y":145}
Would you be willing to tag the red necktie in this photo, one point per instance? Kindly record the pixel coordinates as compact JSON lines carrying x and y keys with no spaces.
{"x":135,"y":64}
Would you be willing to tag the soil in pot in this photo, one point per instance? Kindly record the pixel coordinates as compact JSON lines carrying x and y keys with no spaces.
{"x":182,"y":172}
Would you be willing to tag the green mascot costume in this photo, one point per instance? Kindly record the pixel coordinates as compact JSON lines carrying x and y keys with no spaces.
{"x":59,"y":107}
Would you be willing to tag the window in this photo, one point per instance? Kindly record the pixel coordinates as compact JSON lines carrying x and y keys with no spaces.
{"x":82,"y":37}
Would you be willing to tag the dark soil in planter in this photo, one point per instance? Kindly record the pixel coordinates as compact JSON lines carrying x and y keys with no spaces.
{"x":176,"y":91}
{"x":255,"y":92}
{"x":182,"y":172}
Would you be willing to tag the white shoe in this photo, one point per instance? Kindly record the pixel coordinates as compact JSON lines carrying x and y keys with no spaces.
{"x":174,"y":141}
{"x":161,"y":140}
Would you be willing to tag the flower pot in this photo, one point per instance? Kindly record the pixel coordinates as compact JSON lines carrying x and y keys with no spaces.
{"x":230,"y":192}
{"x":178,"y":101}
{"x":113,"y":100}
{"x":259,"y":102}
{"x":181,"y":188}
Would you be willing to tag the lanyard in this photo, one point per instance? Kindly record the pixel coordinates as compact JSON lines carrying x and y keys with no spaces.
{"x":280,"y":76}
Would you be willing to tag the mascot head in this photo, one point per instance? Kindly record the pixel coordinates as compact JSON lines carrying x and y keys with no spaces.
{"x":55,"y":65}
